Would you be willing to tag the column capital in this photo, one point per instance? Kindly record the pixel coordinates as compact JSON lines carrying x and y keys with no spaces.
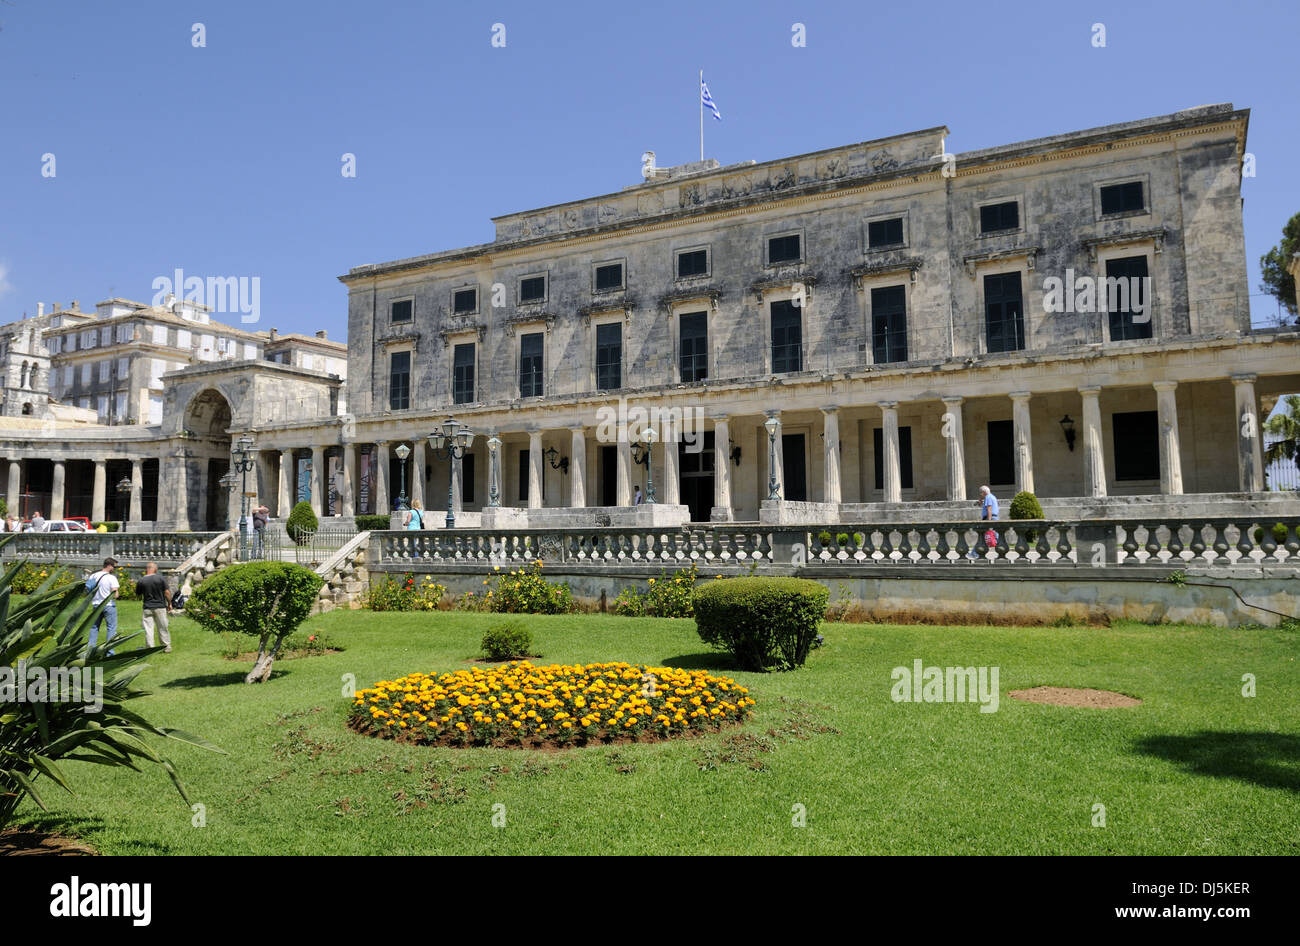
{"x":887,"y":405}
{"x":1244,"y":378}
{"x":831,"y":409}
{"x":1090,"y":390}
{"x":1020,"y":395}
{"x":1164,"y":385}
{"x":575,"y":429}
{"x":955,"y":400}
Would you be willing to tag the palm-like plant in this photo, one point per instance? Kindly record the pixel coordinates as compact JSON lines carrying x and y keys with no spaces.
{"x":1284,"y":426}
{"x":49,"y":631}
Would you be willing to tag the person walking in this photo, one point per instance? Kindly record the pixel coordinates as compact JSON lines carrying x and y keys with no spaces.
{"x":38,"y":521}
{"x":414,"y":518}
{"x":989,"y":513}
{"x":156,"y":598}
{"x":103,"y":586}
{"x":260,"y":516}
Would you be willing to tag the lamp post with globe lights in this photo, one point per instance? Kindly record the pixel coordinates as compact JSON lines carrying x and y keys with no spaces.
{"x":450,"y":442}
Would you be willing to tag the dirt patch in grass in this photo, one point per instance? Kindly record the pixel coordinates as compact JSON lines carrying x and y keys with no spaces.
{"x":1078,"y":698}
{"x":16,"y":842}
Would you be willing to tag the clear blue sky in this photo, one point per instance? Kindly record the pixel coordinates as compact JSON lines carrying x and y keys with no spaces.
{"x":225,"y":160}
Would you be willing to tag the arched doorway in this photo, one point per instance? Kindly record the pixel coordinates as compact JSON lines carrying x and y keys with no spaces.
{"x":207,"y":425}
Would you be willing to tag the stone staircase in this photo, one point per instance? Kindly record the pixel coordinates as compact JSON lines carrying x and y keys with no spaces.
{"x":346,"y":576}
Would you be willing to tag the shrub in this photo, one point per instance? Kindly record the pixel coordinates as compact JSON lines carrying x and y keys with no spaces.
{"x":302,"y":523}
{"x":49,"y":632}
{"x":519,"y":704}
{"x":763,"y":622}
{"x":266,"y":600}
{"x":825,"y":539}
{"x":372,"y":523}
{"x":507,"y":641}
{"x":629,"y":604}
{"x":1279,"y":531}
{"x":525,"y":591}
{"x":1025,"y":505}
{"x":108,"y":526}
{"x":842,"y":539}
{"x":404,"y":594}
{"x":670,"y":596}
{"x":472,"y":602}
{"x":27,"y":578}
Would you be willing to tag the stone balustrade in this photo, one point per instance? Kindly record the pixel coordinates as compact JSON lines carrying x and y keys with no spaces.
{"x":168,"y":549}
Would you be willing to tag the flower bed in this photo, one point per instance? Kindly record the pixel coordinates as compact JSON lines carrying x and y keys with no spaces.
{"x":519,"y":704}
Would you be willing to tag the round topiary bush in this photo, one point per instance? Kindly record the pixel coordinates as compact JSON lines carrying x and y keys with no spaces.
{"x":302,"y":522}
{"x":507,"y":641}
{"x":765,"y":623}
{"x":266,"y":600}
{"x":1025,"y":505}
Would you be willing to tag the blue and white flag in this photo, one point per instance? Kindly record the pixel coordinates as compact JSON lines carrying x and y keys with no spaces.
{"x":707,"y":100}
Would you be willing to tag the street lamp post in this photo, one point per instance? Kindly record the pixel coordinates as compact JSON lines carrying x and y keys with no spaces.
{"x":771,"y":425}
{"x":244,"y":462}
{"x":642,"y":453}
{"x":449,"y":442}
{"x":494,"y":490}
{"x":124,"y":496}
{"x":402,"y":451}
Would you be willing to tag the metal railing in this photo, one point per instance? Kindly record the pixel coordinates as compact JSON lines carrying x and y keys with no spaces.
{"x":309,"y":548}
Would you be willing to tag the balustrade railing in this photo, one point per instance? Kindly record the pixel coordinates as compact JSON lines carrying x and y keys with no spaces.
{"x":129,"y":548}
{"x":1163,"y":542}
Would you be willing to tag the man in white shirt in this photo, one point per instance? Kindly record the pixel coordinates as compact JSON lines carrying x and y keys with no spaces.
{"x":103,"y":586}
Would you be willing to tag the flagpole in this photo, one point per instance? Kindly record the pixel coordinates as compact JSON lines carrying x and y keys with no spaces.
{"x":701,"y":97}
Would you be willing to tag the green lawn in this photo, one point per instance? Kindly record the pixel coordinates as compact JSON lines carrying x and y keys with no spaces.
{"x":1196,"y":769}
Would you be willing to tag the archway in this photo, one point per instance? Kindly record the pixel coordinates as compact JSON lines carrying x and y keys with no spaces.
{"x":207,"y":426}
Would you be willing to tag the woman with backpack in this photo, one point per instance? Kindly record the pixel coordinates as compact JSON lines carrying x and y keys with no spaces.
{"x":414,"y":518}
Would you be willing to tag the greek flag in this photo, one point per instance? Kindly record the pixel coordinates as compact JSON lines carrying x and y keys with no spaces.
{"x":707,"y":100}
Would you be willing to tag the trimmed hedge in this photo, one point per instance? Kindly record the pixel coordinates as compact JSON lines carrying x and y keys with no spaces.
{"x":302,"y":522}
{"x":765,"y":623}
{"x":372,"y":523}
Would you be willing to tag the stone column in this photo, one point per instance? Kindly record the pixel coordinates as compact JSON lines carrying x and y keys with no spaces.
{"x":578,"y":468}
{"x":722,"y":511}
{"x":955,"y":444}
{"x":136,"y":513}
{"x":670,"y":491}
{"x":1171,"y":463}
{"x":1094,"y":460}
{"x":179,"y":491}
{"x":893,"y":478}
{"x":623,"y":477}
{"x":15,"y":487}
{"x":233,"y":497}
{"x":288,"y":483}
{"x":831,"y":492}
{"x":97,"y":495}
{"x":494,"y":474}
{"x":56,"y":495}
{"x":418,"y":463}
{"x":534,"y":469}
{"x":1250,"y":451}
{"x":383,"y":506}
{"x":316,"y":481}
{"x":1023,"y":440}
{"x":347,"y":489}
{"x":776,"y":456}
{"x":456,"y":470}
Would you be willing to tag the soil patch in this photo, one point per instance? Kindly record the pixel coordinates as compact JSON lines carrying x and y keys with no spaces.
{"x":16,"y":842}
{"x":1079,"y":698}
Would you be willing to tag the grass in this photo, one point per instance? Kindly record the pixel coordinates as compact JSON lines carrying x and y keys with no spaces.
{"x":1196,"y":769}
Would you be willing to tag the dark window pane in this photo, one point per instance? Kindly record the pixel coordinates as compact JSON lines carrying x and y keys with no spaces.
{"x":609,"y":356}
{"x":694,"y":346}
{"x":885,"y":232}
{"x":904,"y":456}
{"x":794,"y":470}
{"x":609,"y":277}
{"x":466,"y":478}
{"x":1137,"y":445}
{"x":399,"y":380}
{"x":403,"y":311}
{"x":1002,"y":455}
{"x":783,"y":249}
{"x":1004,"y":312}
{"x":532,"y":289}
{"x":1000,"y":217}
{"x":530,"y":365}
{"x":463,"y":374}
{"x":694,"y":263}
{"x":523,"y":475}
{"x":889,"y":324}
{"x":1128,"y":298}
{"x":1122,"y":198}
{"x":787,"y":337}
{"x":464,"y":300}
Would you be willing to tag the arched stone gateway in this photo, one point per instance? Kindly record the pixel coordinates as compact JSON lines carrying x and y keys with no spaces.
{"x":204,"y":457}
{"x":208,"y":415}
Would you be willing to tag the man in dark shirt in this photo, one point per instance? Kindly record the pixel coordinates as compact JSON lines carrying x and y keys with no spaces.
{"x":260,"y":516}
{"x":157,"y":600}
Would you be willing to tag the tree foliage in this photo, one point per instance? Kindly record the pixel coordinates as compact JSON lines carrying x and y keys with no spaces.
{"x":1277,"y":280}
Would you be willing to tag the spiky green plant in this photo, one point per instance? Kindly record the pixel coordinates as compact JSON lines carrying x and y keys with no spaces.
{"x":49,"y":631}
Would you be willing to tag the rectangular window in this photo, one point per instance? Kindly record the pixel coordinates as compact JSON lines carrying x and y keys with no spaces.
{"x":787,"y":338}
{"x":1122,"y":198}
{"x":530,"y":364}
{"x":1128,"y":301}
{"x":123,"y":365}
{"x":1004,"y":216}
{"x":467,"y":478}
{"x":609,"y":356}
{"x":402,"y":311}
{"x":889,"y":324}
{"x":1002,"y":454}
{"x":184,"y":339}
{"x":67,"y":376}
{"x":120,"y":407}
{"x":609,"y":277}
{"x":1004,"y":313}
{"x":523,"y":475}
{"x":462,"y":379}
{"x":694,"y":346}
{"x":85,"y":372}
{"x":904,"y":457}
{"x":105,"y":370}
{"x":532,"y":289}
{"x":70,"y":343}
{"x":155,"y":408}
{"x":885,"y":233}
{"x":399,"y":380}
{"x":160,"y":335}
{"x":783,"y":249}
{"x":464,"y":300}
{"x":101,"y":405}
{"x":1137,"y":445}
{"x":692,"y":263}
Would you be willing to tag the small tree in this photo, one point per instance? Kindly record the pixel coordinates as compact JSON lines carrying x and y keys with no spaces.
{"x":302,"y":522}
{"x":1274,"y":266}
{"x":266,"y":600}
